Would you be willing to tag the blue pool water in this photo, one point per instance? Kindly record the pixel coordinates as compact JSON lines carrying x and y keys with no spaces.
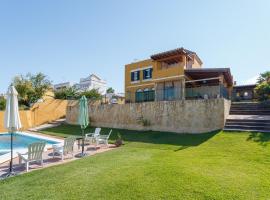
{"x":19,"y":142}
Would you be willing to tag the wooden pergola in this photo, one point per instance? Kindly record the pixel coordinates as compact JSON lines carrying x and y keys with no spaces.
{"x":208,"y":76}
{"x":175,"y":56}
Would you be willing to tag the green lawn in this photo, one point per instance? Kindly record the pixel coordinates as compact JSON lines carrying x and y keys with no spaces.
{"x":156,"y":165}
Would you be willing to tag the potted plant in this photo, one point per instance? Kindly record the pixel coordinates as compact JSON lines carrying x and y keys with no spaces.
{"x":119,"y":140}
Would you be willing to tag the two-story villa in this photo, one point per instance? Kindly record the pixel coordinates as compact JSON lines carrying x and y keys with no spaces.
{"x":175,"y":75}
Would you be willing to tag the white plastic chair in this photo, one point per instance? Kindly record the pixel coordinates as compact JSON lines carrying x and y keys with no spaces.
{"x":92,"y":137}
{"x":103,"y":139}
{"x":67,"y":148}
{"x":35,"y":151}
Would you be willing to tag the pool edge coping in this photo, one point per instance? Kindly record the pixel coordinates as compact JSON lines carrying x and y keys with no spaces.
{"x":36,"y":135}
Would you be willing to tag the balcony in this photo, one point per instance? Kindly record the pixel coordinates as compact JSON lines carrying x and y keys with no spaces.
{"x":175,"y":93}
{"x":209,"y":92}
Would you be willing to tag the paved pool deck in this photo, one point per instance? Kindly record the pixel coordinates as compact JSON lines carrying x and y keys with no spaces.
{"x":50,"y":161}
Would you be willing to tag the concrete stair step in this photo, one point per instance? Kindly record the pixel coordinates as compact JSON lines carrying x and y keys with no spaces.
{"x":246,"y":127}
{"x":246,"y":103}
{"x":248,"y":108}
{"x":250,"y":105}
{"x":249,"y":123}
{"x":260,"y":109}
{"x":249,"y":120}
{"x":246,"y":130}
{"x":233,"y":112}
{"x":249,"y":111}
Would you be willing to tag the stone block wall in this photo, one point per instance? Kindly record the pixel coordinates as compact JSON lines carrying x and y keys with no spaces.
{"x":187,"y":116}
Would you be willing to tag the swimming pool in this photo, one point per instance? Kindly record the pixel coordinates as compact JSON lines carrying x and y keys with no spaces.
{"x":20,"y":143}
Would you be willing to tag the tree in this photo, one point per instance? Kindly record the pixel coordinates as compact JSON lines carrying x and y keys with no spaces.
{"x":2,"y":103}
{"x":263,"y":87}
{"x":91,"y":94}
{"x":110,"y":90}
{"x":31,"y":88}
{"x":41,"y":84}
{"x":264,"y":77}
{"x":66,"y":93}
{"x":24,"y":87}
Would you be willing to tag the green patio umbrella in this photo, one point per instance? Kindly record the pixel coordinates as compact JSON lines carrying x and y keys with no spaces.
{"x":83,"y":118}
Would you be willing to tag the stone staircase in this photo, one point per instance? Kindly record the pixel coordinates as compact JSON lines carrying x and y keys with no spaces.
{"x":248,"y":116}
{"x":249,"y":108}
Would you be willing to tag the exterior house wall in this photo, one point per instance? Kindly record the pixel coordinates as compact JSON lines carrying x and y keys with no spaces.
{"x":132,"y":87}
{"x":167,"y":66}
{"x":175,"y":70}
{"x":189,"y":116}
{"x":196,"y":64}
{"x":159,"y":75}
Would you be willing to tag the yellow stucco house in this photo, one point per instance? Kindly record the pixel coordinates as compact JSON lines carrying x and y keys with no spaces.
{"x":175,"y":75}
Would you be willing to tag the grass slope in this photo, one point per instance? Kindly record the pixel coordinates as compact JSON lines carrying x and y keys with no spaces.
{"x":156,"y":165}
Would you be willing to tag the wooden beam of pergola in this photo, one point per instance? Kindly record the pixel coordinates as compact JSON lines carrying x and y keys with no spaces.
{"x":205,"y":79}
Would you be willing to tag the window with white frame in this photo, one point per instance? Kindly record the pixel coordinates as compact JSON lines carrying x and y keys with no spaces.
{"x":147,"y":73}
{"x":135,"y":76}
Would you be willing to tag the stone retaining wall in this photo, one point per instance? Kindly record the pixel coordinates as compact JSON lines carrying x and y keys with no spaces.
{"x":188,"y":116}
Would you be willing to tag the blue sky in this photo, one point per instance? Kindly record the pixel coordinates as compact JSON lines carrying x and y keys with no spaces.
{"x":68,"y":40}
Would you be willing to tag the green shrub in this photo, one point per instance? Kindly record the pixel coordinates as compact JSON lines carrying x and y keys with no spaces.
{"x":2,"y":103}
{"x":263,"y":87}
{"x":31,"y":88}
{"x":143,"y":121}
{"x":91,"y":94}
{"x":66,"y":93}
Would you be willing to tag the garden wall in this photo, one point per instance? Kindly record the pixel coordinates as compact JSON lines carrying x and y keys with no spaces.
{"x":188,"y":116}
{"x":40,"y":113}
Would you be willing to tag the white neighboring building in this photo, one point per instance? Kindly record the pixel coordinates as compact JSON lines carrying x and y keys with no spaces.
{"x":61,"y":86}
{"x":92,"y":82}
{"x":86,"y":84}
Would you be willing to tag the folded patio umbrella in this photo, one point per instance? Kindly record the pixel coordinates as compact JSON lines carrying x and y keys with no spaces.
{"x":83,"y":118}
{"x":12,"y":120}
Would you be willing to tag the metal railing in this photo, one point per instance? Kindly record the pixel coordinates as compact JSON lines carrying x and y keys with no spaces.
{"x":169,"y":94}
{"x":210,"y":92}
{"x":175,"y":93}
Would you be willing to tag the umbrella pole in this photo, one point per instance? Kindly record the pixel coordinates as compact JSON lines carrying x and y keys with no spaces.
{"x":11,"y":172}
{"x":11,"y":155}
{"x":82,"y":142}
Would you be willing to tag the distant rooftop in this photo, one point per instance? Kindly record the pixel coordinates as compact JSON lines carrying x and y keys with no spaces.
{"x":245,"y":86}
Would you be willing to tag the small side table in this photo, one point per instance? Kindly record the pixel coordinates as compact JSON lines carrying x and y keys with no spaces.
{"x":79,"y":141}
